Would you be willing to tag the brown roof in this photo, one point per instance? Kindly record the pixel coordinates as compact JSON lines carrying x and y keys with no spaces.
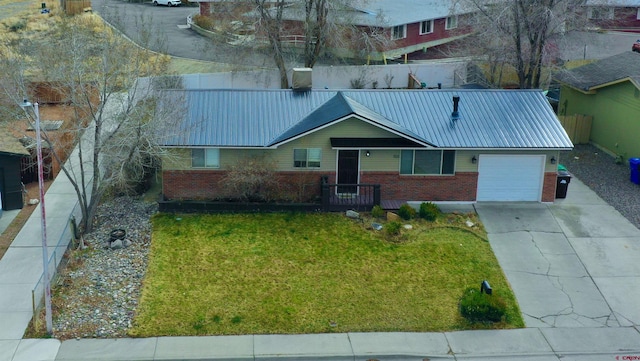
{"x":10,"y":144}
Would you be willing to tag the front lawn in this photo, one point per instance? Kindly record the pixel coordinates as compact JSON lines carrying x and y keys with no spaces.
{"x":310,"y":273}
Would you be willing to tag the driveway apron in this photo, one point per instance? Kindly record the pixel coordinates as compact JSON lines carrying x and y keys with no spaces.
{"x":570,"y":264}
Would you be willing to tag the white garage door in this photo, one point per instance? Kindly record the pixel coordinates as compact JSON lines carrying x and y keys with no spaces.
{"x":510,"y":177}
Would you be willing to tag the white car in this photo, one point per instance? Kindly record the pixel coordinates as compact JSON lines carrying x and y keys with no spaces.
{"x":167,"y":2}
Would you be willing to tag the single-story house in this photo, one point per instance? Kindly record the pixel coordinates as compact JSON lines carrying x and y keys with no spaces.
{"x":417,"y":145}
{"x":614,"y":14}
{"x":11,"y":154}
{"x":609,"y":91}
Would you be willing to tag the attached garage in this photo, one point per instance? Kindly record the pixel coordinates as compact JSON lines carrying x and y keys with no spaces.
{"x":506,"y":178}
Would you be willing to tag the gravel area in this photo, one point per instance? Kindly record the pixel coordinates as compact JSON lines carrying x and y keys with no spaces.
{"x":98,"y":292}
{"x":599,"y":171}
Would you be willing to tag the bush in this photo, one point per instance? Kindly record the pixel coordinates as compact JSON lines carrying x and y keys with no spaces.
{"x":429,"y":211}
{"x":377,"y":212}
{"x":392,"y":228}
{"x":204,"y":22}
{"x":481,"y":307}
{"x":406,"y":212}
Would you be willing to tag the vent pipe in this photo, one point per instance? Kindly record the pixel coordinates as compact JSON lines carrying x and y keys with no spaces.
{"x":455,"y":115}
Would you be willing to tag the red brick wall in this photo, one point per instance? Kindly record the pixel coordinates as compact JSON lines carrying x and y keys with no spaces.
{"x":549,"y":187}
{"x":460,"y":187}
{"x":205,"y":185}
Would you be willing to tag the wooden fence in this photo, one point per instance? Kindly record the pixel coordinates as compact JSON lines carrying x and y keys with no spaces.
{"x":74,"y":7}
{"x":578,"y":127}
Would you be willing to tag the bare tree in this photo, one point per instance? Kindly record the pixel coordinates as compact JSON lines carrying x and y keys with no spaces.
{"x":271,"y":24}
{"x":517,"y":32}
{"x":114,"y":122}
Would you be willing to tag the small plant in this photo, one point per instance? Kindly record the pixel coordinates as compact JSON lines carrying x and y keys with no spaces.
{"x":429,"y":211}
{"x":392,"y":228}
{"x":377,"y":212}
{"x":17,"y":26}
{"x":476,"y":306}
{"x":406,"y":212}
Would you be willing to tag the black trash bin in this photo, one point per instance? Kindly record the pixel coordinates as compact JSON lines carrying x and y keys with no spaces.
{"x":562,"y":183}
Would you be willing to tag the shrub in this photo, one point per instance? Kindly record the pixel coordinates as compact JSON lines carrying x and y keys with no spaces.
{"x":481,"y":307}
{"x":406,"y":212}
{"x":392,"y":228}
{"x":204,"y":22}
{"x":377,"y":212}
{"x":429,"y":211}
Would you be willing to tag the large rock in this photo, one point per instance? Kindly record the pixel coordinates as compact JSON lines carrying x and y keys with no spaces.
{"x":393,"y":217}
{"x":353,"y":214}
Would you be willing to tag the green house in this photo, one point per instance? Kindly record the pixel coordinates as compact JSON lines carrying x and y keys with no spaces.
{"x":609,"y":91}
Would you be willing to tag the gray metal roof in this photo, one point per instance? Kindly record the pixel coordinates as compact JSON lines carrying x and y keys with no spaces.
{"x":387,"y":13}
{"x":264,"y":118}
{"x":605,"y":71}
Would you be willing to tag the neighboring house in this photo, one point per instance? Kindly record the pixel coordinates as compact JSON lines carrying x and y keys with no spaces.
{"x":385,"y":29}
{"x":609,"y":91}
{"x":614,"y":14}
{"x":418,"y":145}
{"x":11,"y":154}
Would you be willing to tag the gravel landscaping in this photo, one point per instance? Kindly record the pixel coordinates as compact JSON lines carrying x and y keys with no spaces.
{"x":600,"y":172}
{"x":97,"y":293}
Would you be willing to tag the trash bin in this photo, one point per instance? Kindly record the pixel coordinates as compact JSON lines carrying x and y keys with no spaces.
{"x":562,"y":183}
{"x":634,"y":167}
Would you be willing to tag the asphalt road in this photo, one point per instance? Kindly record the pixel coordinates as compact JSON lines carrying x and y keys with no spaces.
{"x":167,"y":34}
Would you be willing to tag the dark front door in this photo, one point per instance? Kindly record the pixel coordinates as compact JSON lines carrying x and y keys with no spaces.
{"x":348,"y":170}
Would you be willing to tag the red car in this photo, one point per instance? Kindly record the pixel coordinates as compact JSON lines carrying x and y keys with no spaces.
{"x":636,"y":46}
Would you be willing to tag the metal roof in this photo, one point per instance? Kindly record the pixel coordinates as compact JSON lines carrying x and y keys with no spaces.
{"x":620,"y":67}
{"x":386,"y":13}
{"x":268,"y":118}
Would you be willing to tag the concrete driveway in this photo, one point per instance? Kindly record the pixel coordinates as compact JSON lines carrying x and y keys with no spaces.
{"x":572,"y":263}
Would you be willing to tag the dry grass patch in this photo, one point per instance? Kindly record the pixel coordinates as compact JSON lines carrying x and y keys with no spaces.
{"x":309,"y":273}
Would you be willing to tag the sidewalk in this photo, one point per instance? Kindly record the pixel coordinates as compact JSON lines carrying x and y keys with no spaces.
{"x":571,"y":264}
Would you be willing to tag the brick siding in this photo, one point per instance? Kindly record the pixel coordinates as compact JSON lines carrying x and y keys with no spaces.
{"x":205,"y":185}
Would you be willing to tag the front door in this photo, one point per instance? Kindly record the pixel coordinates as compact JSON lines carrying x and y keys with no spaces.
{"x":348,"y":170}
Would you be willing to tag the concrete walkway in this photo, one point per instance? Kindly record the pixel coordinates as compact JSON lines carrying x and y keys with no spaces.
{"x":572,"y":266}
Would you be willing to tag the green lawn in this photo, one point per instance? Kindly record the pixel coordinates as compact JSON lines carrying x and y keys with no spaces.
{"x":310,"y":273}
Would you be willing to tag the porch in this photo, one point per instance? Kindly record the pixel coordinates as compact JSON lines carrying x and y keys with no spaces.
{"x":360,"y":197}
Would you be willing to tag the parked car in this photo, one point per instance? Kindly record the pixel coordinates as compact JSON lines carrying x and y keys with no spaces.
{"x":167,"y":2}
{"x":636,"y":46}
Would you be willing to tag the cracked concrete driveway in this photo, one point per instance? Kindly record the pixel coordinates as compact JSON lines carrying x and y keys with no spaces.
{"x":574,"y":263}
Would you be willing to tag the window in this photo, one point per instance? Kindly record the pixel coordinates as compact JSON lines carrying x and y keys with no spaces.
{"x":205,"y":158}
{"x":307,"y":158}
{"x":426,"y":27}
{"x":600,"y":13}
{"x":638,"y":14}
{"x":427,"y":161}
{"x":452,"y":22}
{"x":399,"y":32}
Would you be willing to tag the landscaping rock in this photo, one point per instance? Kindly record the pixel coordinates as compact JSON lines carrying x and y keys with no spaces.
{"x":106,"y":282}
{"x":376,"y":226}
{"x":408,"y":226}
{"x":393,"y":217}
{"x":353,"y":214}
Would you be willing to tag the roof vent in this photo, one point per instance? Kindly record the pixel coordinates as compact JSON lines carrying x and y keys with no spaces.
{"x":455,"y":115}
{"x":301,"y":79}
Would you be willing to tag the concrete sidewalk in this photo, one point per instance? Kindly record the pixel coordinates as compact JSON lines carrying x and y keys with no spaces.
{"x":571,"y":265}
